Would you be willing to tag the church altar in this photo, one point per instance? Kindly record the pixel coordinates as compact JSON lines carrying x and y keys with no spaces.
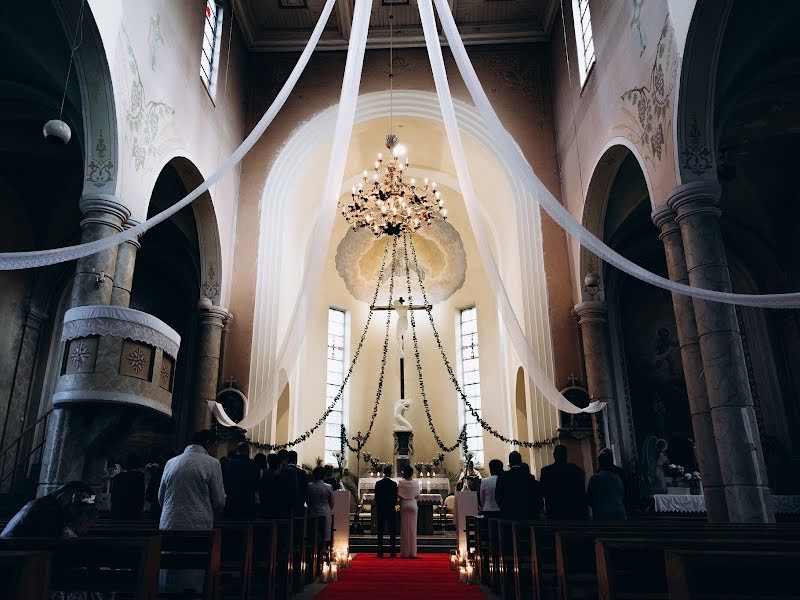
{"x":685,"y":503}
{"x":425,"y":502}
{"x":441,"y":484}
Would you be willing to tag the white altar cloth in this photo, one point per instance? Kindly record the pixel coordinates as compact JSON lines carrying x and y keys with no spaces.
{"x":367,"y":484}
{"x":369,"y":498}
{"x":785,"y":505}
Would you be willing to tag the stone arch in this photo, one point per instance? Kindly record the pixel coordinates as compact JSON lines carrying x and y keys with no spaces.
{"x":100,"y":135}
{"x":276,"y":196}
{"x":695,"y":136}
{"x":604,"y":173}
{"x":207,"y":229}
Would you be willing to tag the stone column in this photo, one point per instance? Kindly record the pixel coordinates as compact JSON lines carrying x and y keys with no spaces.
{"x":94,"y":274}
{"x":593,"y":320}
{"x":72,"y":428}
{"x":741,"y":459}
{"x":703,"y":428}
{"x":123,"y":271}
{"x":212,"y":322}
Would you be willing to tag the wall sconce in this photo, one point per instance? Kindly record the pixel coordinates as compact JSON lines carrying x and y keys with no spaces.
{"x":101,"y":278}
{"x":592,"y":283}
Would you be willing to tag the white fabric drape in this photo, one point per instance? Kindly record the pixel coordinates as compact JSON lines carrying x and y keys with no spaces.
{"x":269,"y":393}
{"x":513,"y":154}
{"x":39,"y":258}
{"x":518,"y":339}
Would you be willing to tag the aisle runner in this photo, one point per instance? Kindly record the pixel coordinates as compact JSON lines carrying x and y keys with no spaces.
{"x":428,"y":576}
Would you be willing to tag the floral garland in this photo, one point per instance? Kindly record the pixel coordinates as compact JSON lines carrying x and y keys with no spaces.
{"x":307,"y":434}
{"x":488,"y":428}
{"x":379,"y":392}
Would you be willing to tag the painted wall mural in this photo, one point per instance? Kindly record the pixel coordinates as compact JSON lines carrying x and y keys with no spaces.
{"x":146,"y":118}
{"x":154,"y":38}
{"x":647,"y":107}
{"x":636,"y":23}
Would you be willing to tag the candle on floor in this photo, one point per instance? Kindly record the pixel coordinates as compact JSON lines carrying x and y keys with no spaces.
{"x":334,"y":574}
{"x":462,"y":575}
{"x":326,"y":570}
{"x":470,"y":572}
{"x":453,"y":560}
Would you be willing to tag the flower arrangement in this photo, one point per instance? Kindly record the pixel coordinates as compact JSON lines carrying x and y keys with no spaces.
{"x":420,"y":467}
{"x":674,"y":470}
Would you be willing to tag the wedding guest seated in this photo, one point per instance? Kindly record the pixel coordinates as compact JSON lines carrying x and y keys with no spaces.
{"x":563,"y":488}
{"x":487,"y":500}
{"x":47,"y":516}
{"x":517,"y":492}
{"x":320,"y":500}
{"x":606,"y":492}
{"x":330,"y":478}
{"x":127,"y":490}
{"x":240,"y":476}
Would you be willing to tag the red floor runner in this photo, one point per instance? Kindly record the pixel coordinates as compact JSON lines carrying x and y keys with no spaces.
{"x":372,"y":578}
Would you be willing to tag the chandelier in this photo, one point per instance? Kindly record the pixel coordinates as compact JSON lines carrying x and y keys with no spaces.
{"x":385,"y":203}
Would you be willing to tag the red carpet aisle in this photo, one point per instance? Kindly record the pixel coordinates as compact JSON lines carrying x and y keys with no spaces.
{"x":372,"y":578}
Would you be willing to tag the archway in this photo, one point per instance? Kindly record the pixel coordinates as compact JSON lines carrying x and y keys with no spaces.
{"x":649,"y":387}
{"x":735,"y":75}
{"x":517,"y":251}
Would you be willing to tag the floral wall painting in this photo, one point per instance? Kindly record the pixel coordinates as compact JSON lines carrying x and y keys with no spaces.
{"x":154,"y":39}
{"x":146,"y":118}
{"x":100,"y":169}
{"x":636,"y":23}
{"x":647,"y":108}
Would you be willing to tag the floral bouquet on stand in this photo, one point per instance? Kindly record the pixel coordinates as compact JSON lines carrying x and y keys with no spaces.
{"x":367,"y":459}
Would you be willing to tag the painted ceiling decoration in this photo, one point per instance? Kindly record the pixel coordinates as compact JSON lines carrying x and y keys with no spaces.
{"x":441,"y":258}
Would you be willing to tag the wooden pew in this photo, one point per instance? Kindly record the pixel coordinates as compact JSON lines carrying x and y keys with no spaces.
{"x":127,"y":565}
{"x":25,"y":574}
{"x":272,"y":559}
{"x":629,"y":568}
{"x":193,"y":550}
{"x":236,"y":559}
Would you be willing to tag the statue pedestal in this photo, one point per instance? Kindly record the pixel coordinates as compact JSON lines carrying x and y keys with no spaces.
{"x":403,"y":449}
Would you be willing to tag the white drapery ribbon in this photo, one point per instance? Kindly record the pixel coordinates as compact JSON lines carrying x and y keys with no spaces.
{"x":518,"y":339}
{"x":40,"y":258}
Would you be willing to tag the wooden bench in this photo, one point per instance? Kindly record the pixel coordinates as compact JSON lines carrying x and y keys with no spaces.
{"x":127,"y":565}
{"x":25,"y":574}
{"x":629,"y":568}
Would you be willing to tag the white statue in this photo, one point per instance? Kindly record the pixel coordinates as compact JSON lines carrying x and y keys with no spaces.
{"x":400,"y":421}
{"x":402,"y":324}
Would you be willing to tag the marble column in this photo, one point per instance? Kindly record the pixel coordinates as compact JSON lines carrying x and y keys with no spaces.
{"x":103,"y":216}
{"x":72,"y":428}
{"x":741,"y":460}
{"x":702,"y":426}
{"x":123,"y":271}
{"x":592,"y":318}
{"x":212,"y":322}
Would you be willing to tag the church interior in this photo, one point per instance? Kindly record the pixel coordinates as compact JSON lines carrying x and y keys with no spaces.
{"x":418,"y":235}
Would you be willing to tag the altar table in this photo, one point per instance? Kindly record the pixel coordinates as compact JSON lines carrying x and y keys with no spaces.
{"x":427,"y":484}
{"x":425,"y":503}
{"x":685,"y":503}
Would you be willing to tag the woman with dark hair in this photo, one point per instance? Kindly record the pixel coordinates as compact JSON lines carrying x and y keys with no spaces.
{"x":320,"y":500}
{"x":330,"y":478}
{"x":408,"y":491}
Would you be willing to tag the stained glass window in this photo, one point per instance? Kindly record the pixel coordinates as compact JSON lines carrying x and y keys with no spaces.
{"x":584,"y":39}
{"x":469,"y":371}
{"x":212,"y":32}
{"x":337,"y":358}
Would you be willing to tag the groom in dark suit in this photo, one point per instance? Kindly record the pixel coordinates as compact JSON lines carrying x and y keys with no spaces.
{"x":385,"y":501}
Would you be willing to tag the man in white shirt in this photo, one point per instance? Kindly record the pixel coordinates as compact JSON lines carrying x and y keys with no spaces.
{"x":486,"y":498}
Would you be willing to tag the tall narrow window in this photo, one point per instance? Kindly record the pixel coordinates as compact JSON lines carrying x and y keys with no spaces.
{"x":337,"y":352}
{"x":584,"y":39}
{"x":470,"y":374}
{"x":209,"y":58}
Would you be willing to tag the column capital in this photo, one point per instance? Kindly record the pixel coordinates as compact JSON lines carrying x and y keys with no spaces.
{"x":591,"y":311}
{"x":216,"y":316}
{"x":664,"y":218}
{"x":696,"y":197}
{"x":104,"y":209}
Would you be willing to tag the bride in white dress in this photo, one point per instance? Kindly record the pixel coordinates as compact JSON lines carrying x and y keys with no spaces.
{"x":408,"y":491}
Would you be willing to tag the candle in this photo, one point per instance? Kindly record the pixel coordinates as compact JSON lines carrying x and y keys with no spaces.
{"x":470,"y":572}
{"x":453,"y":564}
{"x":326,"y":570}
{"x":334,"y":574}
{"x":462,"y":575}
